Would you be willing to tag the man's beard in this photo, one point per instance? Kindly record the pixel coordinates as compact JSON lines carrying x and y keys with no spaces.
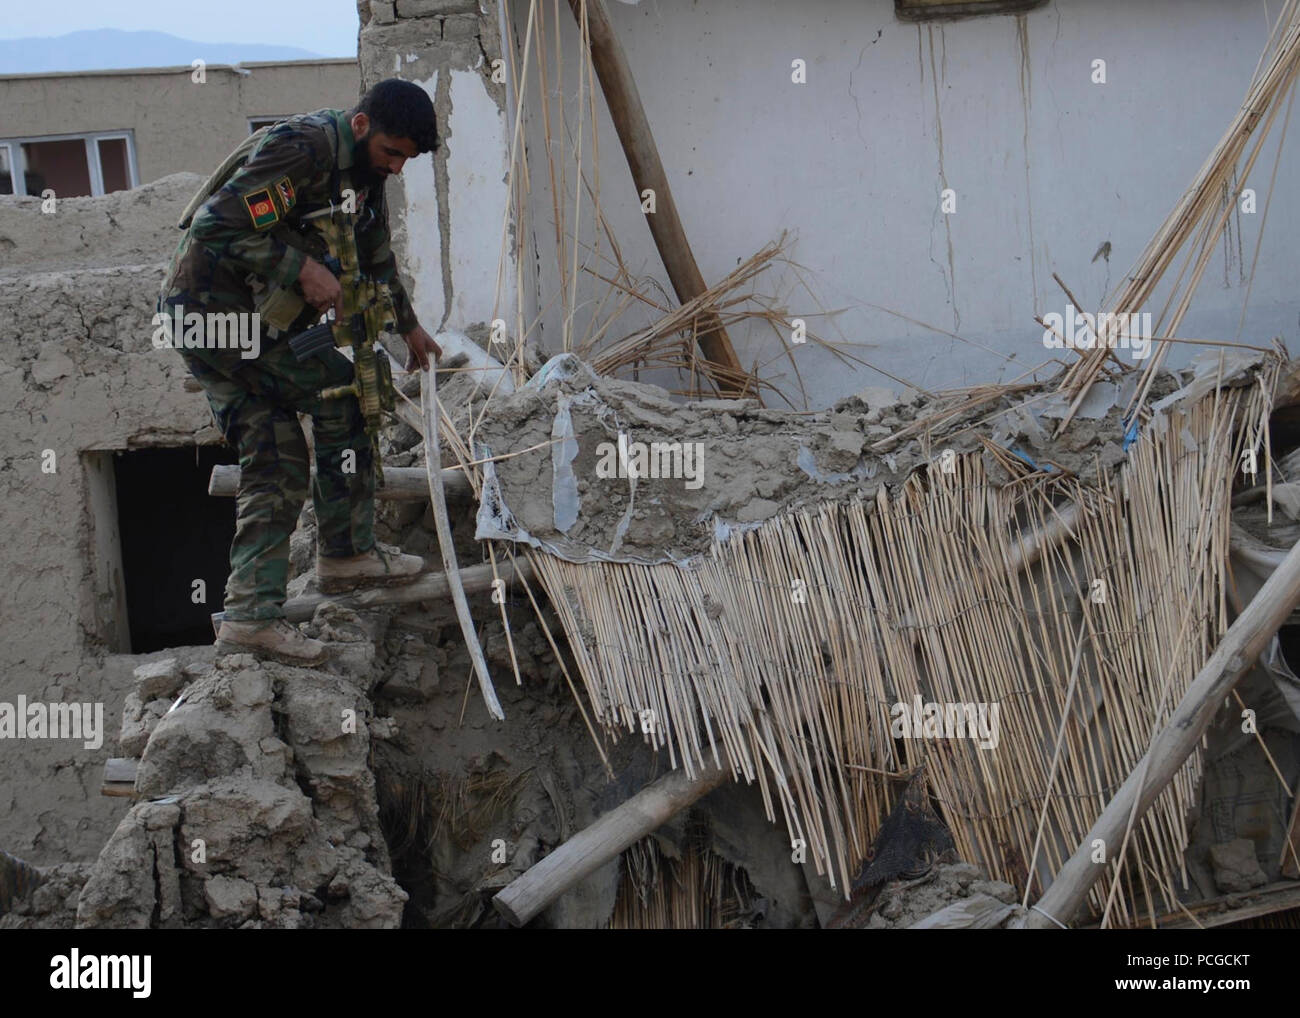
{"x":363,"y":171}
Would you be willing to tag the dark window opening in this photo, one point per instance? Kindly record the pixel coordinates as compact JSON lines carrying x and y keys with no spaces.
{"x":1289,"y":637}
{"x":114,"y":164}
{"x":172,"y":533}
{"x":60,"y":165}
{"x":927,"y":10}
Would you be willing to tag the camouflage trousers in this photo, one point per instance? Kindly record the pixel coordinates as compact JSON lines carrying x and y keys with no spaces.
{"x":255,"y":403}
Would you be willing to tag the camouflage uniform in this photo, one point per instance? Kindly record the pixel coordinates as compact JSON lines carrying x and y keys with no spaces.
{"x":242,"y":252}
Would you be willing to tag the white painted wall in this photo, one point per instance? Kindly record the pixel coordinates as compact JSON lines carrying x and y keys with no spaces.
{"x":421,"y":252}
{"x":1047,"y":167}
{"x":477,"y":161}
{"x":454,"y":281}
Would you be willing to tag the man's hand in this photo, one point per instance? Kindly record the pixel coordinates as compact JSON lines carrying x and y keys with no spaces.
{"x":419,"y":345}
{"x":320,"y":288}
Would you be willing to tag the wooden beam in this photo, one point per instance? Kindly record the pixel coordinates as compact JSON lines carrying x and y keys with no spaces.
{"x":109,"y":604}
{"x":1245,"y":639}
{"x":401,"y":484}
{"x":596,"y":845}
{"x":430,"y":587}
{"x":1233,"y":908}
{"x":643,"y":160}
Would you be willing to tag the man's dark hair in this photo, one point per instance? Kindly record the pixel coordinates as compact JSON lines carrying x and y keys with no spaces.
{"x":403,"y":110}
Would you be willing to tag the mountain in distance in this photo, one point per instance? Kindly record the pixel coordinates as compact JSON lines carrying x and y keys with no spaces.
{"x":102,"y":49}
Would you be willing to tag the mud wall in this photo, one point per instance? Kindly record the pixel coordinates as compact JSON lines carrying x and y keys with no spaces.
{"x":79,"y":379}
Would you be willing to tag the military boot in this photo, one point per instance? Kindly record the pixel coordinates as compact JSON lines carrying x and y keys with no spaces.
{"x":381,"y":566}
{"x":275,"y":639}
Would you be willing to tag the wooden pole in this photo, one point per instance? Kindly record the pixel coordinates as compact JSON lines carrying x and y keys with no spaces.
{"x":596,"y":845}
{"x":401,"y":484}
{"x":1245,"y":639}
{"x":643,"y":160}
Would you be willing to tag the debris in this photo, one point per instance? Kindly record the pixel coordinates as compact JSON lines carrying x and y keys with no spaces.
{"x":1179,"y":737}
{"x":1236,"y":867}
{"x":978,"y":912}
{"x":264,"y":796}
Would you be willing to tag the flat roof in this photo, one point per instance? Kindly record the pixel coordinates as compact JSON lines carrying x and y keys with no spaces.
{"x":179,"y":68}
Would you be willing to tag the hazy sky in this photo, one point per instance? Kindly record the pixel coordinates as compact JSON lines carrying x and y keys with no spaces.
{"x":327,"y":27}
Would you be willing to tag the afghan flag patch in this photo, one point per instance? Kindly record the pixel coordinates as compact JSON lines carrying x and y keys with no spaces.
{"x":284,"y":188}
{"x":261,"y":208}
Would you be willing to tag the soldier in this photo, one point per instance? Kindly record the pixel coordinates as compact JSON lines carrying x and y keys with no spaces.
{"x":248,"y":249}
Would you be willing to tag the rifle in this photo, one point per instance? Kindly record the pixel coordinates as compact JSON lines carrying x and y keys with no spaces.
{"x":367,"y":311}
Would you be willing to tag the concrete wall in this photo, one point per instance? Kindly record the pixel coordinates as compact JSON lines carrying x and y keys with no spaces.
{"x":178,"y":124}
{"x":1047,"y":168}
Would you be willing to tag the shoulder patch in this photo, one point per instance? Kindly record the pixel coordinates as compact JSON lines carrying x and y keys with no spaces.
{"x":284,"y":188}
{"x":261,"y":208}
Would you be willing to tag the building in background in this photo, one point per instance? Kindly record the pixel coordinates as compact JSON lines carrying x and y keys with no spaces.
{"x":93,"y":132}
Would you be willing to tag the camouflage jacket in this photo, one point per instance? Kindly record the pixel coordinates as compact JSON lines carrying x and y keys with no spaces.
{"x":246,"y":243}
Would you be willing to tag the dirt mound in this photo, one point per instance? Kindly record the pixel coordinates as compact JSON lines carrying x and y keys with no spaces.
{"x":259,"y":810}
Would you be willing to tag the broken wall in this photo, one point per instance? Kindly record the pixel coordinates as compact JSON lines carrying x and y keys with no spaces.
{"x":448,"y":211}
{"x":79,"y":379}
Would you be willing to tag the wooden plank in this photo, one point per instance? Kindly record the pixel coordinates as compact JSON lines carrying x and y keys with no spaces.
{"x":1245,"y":639}
{"x":633,"y":128}
{"x":596,"y":845}
{"x":110,"y":612}
{"x":447,"y":544}
{"x":401,"y":484}
{"x":1233,"y":908}
{"x":430,"y":587}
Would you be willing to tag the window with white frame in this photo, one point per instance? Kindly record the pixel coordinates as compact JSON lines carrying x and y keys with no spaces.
{"x":71,"y":165}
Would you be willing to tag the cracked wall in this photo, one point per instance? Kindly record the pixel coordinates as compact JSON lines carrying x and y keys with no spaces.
{"x":448,"y":212}
{"x":1050,"y":171}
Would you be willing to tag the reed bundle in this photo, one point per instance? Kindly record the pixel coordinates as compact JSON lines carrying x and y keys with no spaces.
{"x":699,"y":891}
